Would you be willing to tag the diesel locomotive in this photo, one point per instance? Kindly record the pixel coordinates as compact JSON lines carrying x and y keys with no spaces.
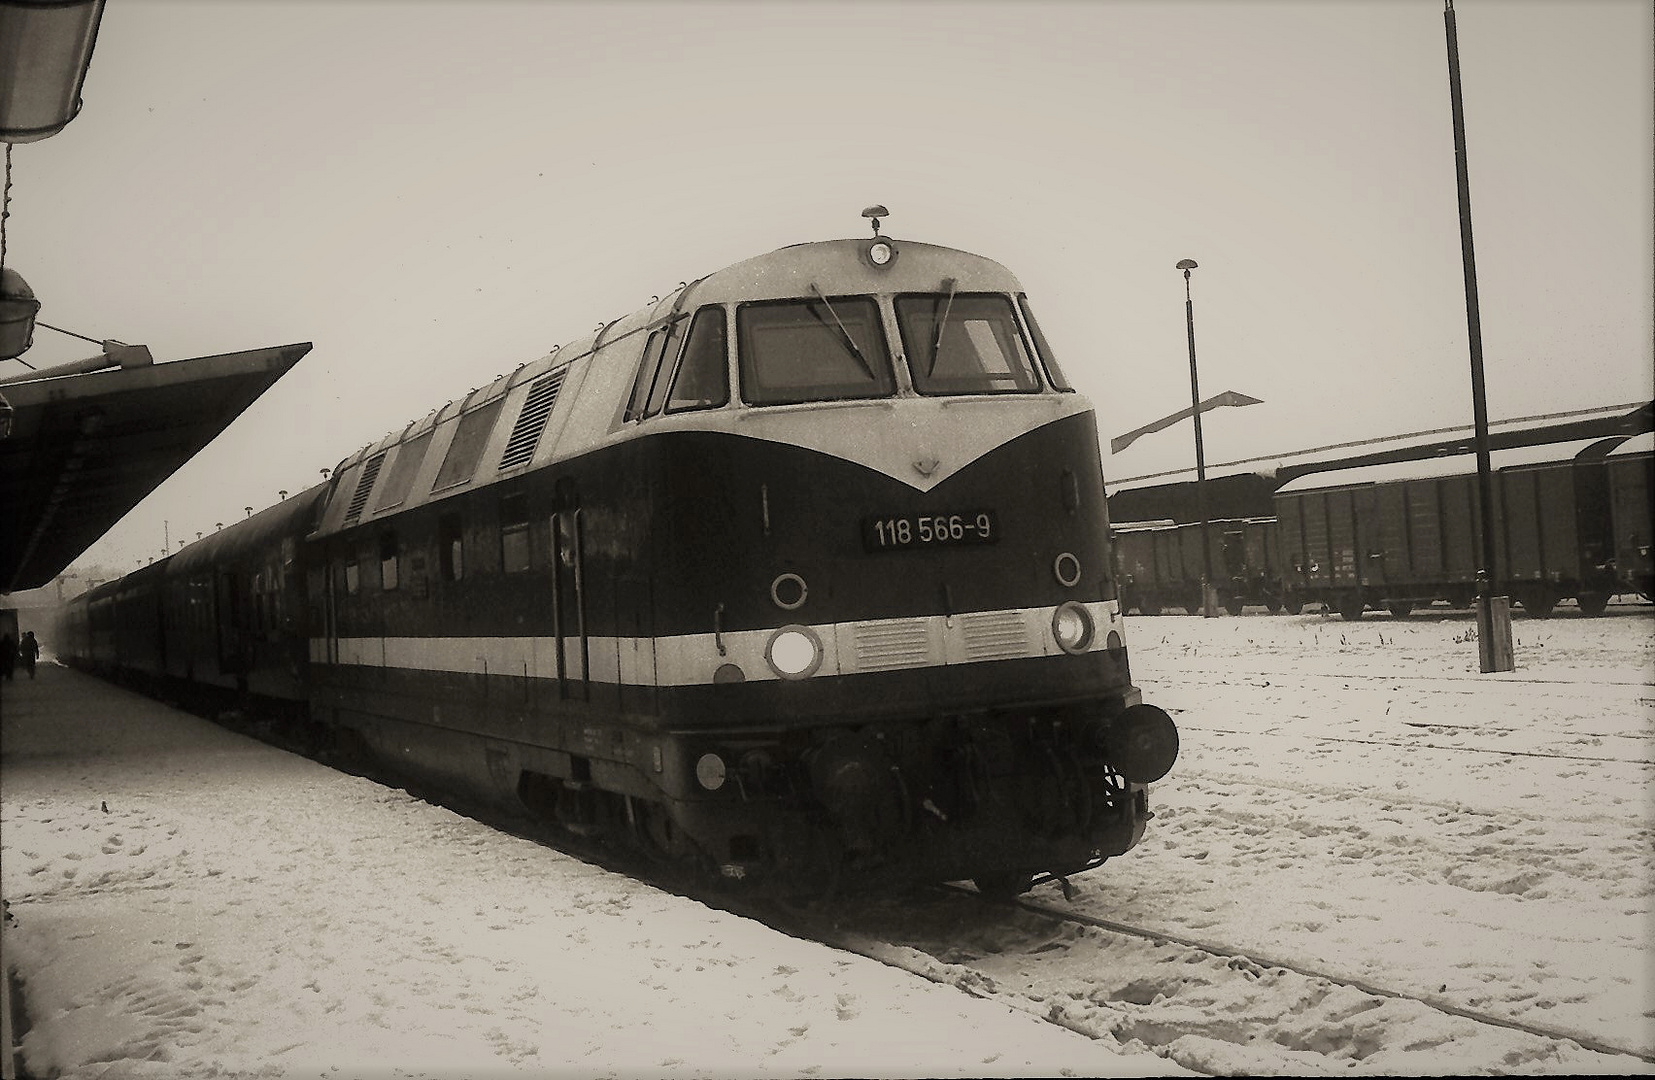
{"x":799,"y":575}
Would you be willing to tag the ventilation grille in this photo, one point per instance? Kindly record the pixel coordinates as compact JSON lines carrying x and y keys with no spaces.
{"x":896,"y":643}
{"x":370,"y":473}
{"x":537,"y":407}
{"x":994,"y":635}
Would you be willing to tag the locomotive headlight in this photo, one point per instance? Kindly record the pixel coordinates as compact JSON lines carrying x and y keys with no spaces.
{"x":710,"y":771}
{"x":1072,"y":627}
{"x":794,"y":652}
{"x":879,"y":252}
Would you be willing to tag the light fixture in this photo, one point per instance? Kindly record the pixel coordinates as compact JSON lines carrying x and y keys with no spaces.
{"x":794,"y":652}
{"x":18,"y":308}
{"x":45,"y":49}
{"x":1072,"y":627}
{"x":879,"y":252}
{"x":710,"y":771}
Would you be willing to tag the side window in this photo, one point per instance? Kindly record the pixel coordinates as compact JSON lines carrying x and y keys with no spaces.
{"x":467,"y":446}
{"x":514,"y":533}
{"x":1054,"y":374}
{"x":353,"y":579}
{"x":646,"y":373}
{"x":451,"y":547}
{"x":659,"y":352}
{"x":663,"y":374}
{"x":703,"y":379}
{"x":388,"y":561}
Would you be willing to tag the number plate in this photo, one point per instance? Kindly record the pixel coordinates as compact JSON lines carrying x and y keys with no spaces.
{"x":901,"y":532}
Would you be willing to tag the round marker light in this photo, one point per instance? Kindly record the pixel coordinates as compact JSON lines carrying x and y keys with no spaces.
{"x":710,"y":772}
{"x":794,"y":652}
{"x":880,"y":252}
{"x":1072,"y":627}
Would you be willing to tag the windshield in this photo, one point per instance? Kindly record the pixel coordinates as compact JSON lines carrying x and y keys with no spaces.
{"x":964,"y":343}
{"x":824,"y":349}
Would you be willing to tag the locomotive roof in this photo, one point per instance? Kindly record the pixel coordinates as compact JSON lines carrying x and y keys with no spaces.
{"x":572,"y":371}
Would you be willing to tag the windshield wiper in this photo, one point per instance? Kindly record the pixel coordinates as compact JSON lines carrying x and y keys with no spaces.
{"x":936,"y":338}
{"x":844,"y":334}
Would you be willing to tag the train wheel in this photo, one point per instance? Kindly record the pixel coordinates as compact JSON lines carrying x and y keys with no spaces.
{"x":1592,"y":603}
{"x":1273,"y":605}
{"x":1538,"y":602}
{"x":1400,"y":608}
{"x":1293,"y":605}
{"x":1003,"y":885}
{"x":1351,"y":606}
{"x":1232,"y":605}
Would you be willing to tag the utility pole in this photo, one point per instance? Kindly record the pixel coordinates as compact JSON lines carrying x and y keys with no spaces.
{"x":1493,"y":612}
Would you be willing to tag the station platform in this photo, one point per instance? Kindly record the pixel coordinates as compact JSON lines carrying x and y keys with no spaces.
{"x":63,"y":712}
{"x":189,"y":902}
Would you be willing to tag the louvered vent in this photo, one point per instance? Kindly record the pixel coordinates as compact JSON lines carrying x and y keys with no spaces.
{"x":370,"y":473}
{"x":525,"y":434}
{"x":891,"y":643}
{"x":994,"y":635}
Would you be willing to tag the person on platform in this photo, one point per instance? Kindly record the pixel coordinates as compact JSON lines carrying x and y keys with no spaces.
{"x":8,"y":655}
{"x":28,"y":651}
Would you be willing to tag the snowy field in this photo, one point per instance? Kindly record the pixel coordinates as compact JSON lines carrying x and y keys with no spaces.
{"x":1352,"y":799}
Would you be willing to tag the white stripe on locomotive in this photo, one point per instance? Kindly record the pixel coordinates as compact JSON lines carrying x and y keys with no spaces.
{"x":848,"y":648}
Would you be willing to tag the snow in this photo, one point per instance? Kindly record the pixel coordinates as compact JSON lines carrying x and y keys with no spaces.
{"x":1353,"y":800}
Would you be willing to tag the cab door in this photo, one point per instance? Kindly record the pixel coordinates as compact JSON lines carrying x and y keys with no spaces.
{"x":569,"y":606}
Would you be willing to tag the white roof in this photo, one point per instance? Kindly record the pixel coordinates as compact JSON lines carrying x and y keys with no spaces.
{"x":1427,"y":468}
{"x":1637,"y":444}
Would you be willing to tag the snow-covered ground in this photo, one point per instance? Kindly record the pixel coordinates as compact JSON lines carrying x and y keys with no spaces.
{"x":1353,"y":799}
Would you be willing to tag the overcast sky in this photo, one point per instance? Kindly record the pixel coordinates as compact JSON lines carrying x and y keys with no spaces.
{"x":436,"y":192}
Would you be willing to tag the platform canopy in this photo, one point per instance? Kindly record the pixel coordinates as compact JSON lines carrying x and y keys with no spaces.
{"x":83,"y":449}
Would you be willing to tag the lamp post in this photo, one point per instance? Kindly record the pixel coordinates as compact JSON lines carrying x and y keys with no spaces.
{"x":1494,"y":652}
{"x":1209,"y":601}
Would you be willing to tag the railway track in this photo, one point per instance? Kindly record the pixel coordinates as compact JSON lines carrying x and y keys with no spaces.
{"x":1432,"y":1001}
{"x":1165,"y":986}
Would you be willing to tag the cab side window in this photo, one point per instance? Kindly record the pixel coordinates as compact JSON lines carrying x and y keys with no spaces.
{"x":703,"y":377}
{"x":388,"y":561}
{"x":655,"y":370}
{"x":451,"y":547}
{"x":514,"y":533}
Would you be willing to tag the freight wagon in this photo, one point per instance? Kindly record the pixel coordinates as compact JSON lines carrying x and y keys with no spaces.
{"x":1399,"y":536}
{"x":1160,"y":565}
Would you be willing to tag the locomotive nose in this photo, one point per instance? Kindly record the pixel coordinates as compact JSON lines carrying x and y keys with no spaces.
{"x":1141,"y":743}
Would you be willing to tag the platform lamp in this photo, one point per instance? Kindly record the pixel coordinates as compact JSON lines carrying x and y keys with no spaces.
{"x":45,"y":49}
{"x":18,"y":308}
